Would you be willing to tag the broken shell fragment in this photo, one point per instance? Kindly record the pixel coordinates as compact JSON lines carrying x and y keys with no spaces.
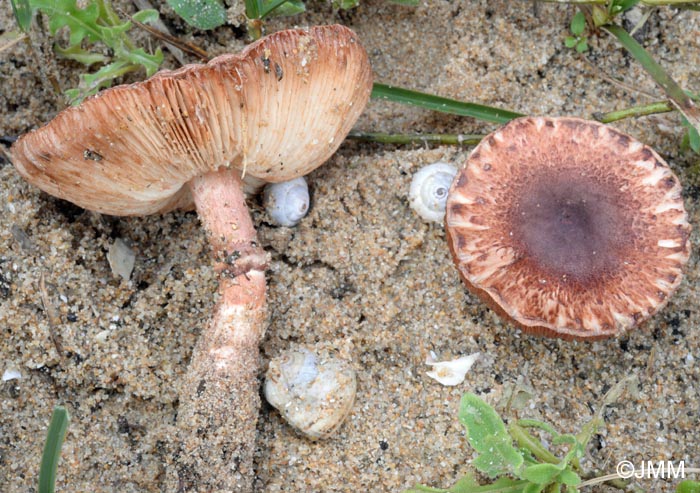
{"x":313,"y":395}
{"x":451,"y":373}
{"x":121,"y":259}
{"x":287,"y":202}
{"x":429,"y":189}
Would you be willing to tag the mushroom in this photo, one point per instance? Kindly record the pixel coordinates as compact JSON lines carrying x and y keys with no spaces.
{"x":199,"y":136}
{"x":567,"y":227}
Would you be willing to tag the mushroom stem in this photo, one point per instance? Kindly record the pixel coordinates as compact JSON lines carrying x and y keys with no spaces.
{"x":219,"y":397}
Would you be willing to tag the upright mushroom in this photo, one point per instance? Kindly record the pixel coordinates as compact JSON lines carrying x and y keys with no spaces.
{"x":199,"y":136}
{"x":568,"y":227}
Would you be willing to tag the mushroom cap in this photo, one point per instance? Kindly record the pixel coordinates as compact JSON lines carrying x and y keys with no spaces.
{"x":568,"y":227}
{"x":276,"y":111}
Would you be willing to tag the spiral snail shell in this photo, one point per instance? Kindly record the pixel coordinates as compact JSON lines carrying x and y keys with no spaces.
{"x":287,"y":202}
{"x":313,"y":395}
{"x":429,"y":189}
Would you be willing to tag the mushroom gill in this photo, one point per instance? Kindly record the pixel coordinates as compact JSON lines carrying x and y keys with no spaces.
{"x":568,"y":227}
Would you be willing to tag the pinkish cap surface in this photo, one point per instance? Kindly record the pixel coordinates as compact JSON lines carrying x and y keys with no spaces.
{"x":568,"y":227}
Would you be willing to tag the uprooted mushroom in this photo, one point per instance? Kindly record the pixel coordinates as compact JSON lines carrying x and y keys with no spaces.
{"x":568,"y":227}
{"x":204,"y":135}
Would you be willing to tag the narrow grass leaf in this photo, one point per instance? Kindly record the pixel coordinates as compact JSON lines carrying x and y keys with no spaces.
{"x":253,"y":8}
{"x":679,"y":98}
{"x":693,"y":135}
{"x":23,"y":13}
{"x":52,"y":449}
{"x":444,"y":105}
{"x":282,"y":8}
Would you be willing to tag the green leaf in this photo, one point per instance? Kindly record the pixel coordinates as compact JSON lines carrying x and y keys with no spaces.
{"x":541,"y":473}
{"x":619,"y":6}
{"x":582,"y":46}
{"x":80,"y":55}
{"x":570,"y":41}
{"x":444,"y":105}
{"x":141,"y":57}
{"x":569,"y":477}
{"x":23,"y":13}
{"x":578,"y":23}
{"x":533,"y":488}
{"x":148,"y":16}
{"x":82,"y":23}
{"x":202,"y":14}
{"x":488,"y":436}
{"x":52,"y":449}
{"x":91,"y":83}
{"x":688,"y":487}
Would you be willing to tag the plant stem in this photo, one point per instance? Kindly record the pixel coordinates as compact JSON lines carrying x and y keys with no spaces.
{"x":527,"y":441}
{"x":634,"y":111}
{"x":444,"y":105}
{"x":613,"y":479}
{"x":440,"y":139}
{"x":678,"y":97}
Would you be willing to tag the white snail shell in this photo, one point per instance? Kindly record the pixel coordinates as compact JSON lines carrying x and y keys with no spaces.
{"x":287,"y":202}
{"x":312,"y":395}
{"x":429,"y":189}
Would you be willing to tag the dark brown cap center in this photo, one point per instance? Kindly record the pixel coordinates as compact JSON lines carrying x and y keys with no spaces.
{"x":571,"y":226}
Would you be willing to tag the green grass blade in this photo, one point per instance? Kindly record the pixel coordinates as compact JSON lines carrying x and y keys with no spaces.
{"x":253,"y":8}
{"x":679,"y":98}
{"x":23,"y":13}
{"x":52,"y":449}
{"x":444,"y":105}
{"x":402,"y":139}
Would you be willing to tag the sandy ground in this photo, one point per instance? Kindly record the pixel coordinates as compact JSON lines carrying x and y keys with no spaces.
{"x":362,"y":272}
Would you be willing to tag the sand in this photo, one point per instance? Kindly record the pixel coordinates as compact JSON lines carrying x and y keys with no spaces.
{"x":361,"y":273}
